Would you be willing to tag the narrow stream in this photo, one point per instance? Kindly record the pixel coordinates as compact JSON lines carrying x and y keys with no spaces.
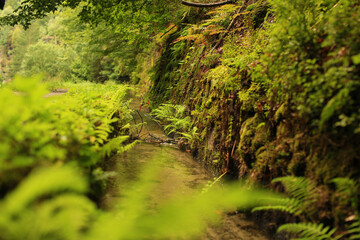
{"x":179,"y":174}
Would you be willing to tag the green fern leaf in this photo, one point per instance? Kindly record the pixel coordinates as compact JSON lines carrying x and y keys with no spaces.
{"x":302,"y":194}
{"x":309,"y":231}
{"x":301,"y":189}
{"x":354,"y":229}
{"x":289,"y":205}
{"x":347,"y":188}
{"x":44,"y":182}
{"x":113,"y":144}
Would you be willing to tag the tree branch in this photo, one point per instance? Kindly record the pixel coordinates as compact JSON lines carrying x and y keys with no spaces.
{"x":192,"y":4}
{"x":227,"y":31}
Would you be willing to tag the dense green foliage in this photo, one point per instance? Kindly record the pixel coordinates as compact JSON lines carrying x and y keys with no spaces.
{"x":173,"y":117}
{"x":303,"y":196}
{"x":92,"y":11}
{"x":271,"y":88}
{"x":38,"y":130}
{"x":50,"y":204}
{"x":104,"y":44}
{"x":52,"y":148}
{"x":260,"y":89}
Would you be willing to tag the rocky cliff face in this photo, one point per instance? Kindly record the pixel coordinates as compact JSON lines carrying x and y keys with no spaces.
{"x":272,"y":90}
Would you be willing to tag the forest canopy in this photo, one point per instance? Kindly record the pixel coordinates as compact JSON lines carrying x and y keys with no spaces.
{"x":87,"y":40}
{"x":260,"y":89}
{"x":91,"y":10}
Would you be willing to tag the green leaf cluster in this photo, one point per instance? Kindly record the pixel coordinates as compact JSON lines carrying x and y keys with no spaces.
{"x":302,"y":196}
{"x":174,"y":117}
{"x":50,"y":204}
{"x":302,"y":202}
{"x":311,"y":60}
{"x":39,"y":129}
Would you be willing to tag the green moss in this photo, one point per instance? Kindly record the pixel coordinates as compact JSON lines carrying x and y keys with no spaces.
{"x":297,"y":165}
{"x":220,"y":76}
{"x":280,"y":113}
{"x":263,"y":157}
{"x":211,"y":60}
{"x":282,"y":130}
{"x":261,"y":136}
{"x":247,"y":133}
{"x":282,"y":149}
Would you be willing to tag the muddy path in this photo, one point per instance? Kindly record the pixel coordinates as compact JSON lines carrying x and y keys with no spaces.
{"x":180,"y":173}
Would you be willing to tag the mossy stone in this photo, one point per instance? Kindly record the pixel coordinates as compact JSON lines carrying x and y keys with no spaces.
{"x":280,"y":113}
{"x":297,"y":165}
{"x":263,"y":156}
{"x":281,"y":130}
{"x":261,"y":136}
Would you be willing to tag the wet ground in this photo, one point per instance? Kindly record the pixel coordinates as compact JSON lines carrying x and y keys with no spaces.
{"x":179,"y":173}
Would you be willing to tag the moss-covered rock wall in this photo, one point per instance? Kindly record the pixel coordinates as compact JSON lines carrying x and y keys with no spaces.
{"x":273,"y":89}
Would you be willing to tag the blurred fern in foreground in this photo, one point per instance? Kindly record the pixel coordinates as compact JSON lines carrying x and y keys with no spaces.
{"x":47,"y":205}
{"x":75,"y":127}
{"x":310,"y":231}
{"x":49,"y":148}
{"x":50,"y":204}
{"x":303,"y":196}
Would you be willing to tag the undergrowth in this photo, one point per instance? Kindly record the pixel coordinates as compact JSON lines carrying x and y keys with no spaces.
{"x":270,"y":88}
{"x":72,"y":128}
{"x":50,"y":204}
{"x":173,"y":117}
{"x":303,"y":196}
{"x":51,"y":149}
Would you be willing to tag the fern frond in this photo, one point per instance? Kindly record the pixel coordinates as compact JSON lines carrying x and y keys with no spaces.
{"x":299,"y":188}
{"x":174,"y":116}
{"x":348,"y":188}
{"x":344,"y":184}
{"x":127,"y":147}
{"x":113,"y":144}
{"x":212,"y":183}
{"x":186,"y":136}
{"x":309,"y":231}
{"x":354,"y":229}
{"x":289,"y":205}
{"x":67,"y":211}
{"x":302,"y":194}
{"x":41,"y":183}
{"x":224,"y":9}
{"x":117,"y":144}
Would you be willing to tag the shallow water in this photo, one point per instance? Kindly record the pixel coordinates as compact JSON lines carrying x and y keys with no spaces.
{"x":178,"y":173}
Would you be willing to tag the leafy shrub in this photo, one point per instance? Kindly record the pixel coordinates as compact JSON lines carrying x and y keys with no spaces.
{"x":310,"y":61}
{"x":174,"y":118}
{"x":35,"y":130}
{"x":52,"y":60}
{"x":303,"y":197}
{"x":48,"y":204}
